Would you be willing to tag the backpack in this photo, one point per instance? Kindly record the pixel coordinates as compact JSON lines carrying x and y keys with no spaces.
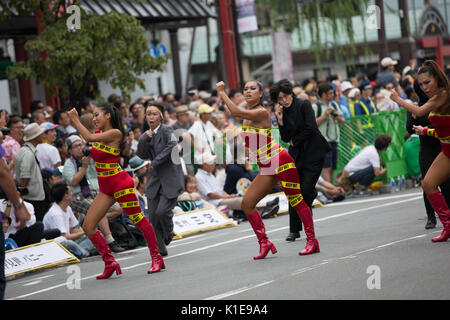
{"x":125,"y":235}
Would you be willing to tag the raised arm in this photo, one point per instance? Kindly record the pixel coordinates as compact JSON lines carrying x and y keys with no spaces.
{"x":253,"y":115}
{"x":434,"y":102}
{"x":103,"y":137}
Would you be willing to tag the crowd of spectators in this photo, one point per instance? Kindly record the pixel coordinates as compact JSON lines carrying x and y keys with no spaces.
{"x":57,"y":179}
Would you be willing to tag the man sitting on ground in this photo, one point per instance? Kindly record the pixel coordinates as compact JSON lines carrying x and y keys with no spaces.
{"x":366,"y":164}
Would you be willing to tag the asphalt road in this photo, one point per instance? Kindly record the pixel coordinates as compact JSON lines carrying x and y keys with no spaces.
{"x":372,"y":248}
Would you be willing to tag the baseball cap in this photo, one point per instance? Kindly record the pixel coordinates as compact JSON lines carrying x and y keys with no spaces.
{"x":205,"y":108}
{"x":346,"y":85}
{"x":49,"y":172}
{"x":71,"y":139}
{"x":353,"y":93}
{"x":388,"y":61}
{"x":48,"y":126}
{"x":365,"y":85}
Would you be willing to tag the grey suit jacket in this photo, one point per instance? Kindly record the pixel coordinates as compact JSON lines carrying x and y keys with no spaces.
{"x":166,"y":173}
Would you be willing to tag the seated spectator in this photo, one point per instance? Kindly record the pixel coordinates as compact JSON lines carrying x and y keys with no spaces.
{"x":211,"y":191}
{"x":328,"y":192}
{"x":32,"y":232}
{"x":366,"y":164}
{"x":60,"y":216}
{"x":79,"y":172}
{"x":190,"y":199}
{"x":140,"y":181}
{"x":47,"y":154}
{"x":137,"y":165}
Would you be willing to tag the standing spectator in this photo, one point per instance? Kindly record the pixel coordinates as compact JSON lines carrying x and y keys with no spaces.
{"x":61,"y":118}
{"x":38,"y":116}
{"x":11,"y":144}
{"x":49,"y":111}
{"x":328,"y":118}
{"x":387,"y":73}
{"x":137,"y":114}
{"x":79,"y":172}
{"x":47,"y":154}
{"x":366,"y":165}
{"x":164,"y":178}
{"x":181,"y":128}
{"x":61,"y":217}
{"x":308,"y":147}
{"x":346,"y":87}
{"x":203,"y":133}
{"x":6,"y":181}
{"x":182,"y":118}
{"x":354,"y":95}
{"x":365,"y":104}
{"x":28,"y":171}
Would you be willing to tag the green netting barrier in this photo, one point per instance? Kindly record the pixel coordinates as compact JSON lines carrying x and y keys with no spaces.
{"x":361,"y":131}
{"x":357,"y":133}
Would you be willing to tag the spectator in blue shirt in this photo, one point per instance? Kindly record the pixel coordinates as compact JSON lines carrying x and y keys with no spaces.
{"x":365,"y":105}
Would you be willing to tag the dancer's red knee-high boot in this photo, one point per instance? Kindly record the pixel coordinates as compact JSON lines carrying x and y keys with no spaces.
{"x":265,"y":245}
{"x":102,"y":247}
{"x":149,"y":233}
{"x":437,"y":200}
{"x":304,"y":212}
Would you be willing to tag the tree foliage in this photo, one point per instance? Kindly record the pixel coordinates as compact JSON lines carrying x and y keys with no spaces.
{"x":111,"y":47}
{"x":321,"y":17}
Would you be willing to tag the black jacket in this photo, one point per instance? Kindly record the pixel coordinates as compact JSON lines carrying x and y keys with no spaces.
{"x":300,"y":126}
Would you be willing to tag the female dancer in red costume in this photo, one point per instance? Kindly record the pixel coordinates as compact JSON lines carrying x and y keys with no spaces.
{"x":435,"y":84}
{"x":114,"y":184}
{"x":275,"y":164}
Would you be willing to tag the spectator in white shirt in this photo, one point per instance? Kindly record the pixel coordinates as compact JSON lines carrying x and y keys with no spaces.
{"x":203,"y":133}
{"x":366,"y":164}
{"x":47,"y":154}
{"x":60,"y":216}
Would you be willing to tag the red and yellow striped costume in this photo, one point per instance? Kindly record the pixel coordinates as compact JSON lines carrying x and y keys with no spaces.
{"x":272,"y":159}
{"x":113,"y":181}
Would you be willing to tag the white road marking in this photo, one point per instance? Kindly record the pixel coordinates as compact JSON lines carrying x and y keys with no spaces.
{"x":235,"y":240}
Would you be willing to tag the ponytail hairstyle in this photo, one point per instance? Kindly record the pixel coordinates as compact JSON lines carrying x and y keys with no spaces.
{"x":116,"y":120}
{"x":433,"y":69}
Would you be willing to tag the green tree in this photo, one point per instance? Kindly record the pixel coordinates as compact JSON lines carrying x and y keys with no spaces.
{"x":322,"y":17}
{"x":111,"y":47}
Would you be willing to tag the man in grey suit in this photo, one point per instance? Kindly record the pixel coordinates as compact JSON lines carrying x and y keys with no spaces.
{"x":164,"y":178}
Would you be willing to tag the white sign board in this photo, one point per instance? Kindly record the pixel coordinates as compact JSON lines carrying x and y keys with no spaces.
{"x":36,"y":256}
{"x":190,"y":222}
{"x":246,"y":18}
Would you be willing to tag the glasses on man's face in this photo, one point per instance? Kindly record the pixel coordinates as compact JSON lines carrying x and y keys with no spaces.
{"x":76,"y":146}
{"x":17,"y":127}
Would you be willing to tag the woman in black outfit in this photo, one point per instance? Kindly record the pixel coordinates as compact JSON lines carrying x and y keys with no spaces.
{"x":308,"y":147}
{"x":429,"y":149}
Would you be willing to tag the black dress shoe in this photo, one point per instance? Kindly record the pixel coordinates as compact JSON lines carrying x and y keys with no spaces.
{"x":163,"y":253}
{"x":431,"y":224}
{"x":169,"y":238}
{"x":292,"y":236}
{"x":115,"y":247}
